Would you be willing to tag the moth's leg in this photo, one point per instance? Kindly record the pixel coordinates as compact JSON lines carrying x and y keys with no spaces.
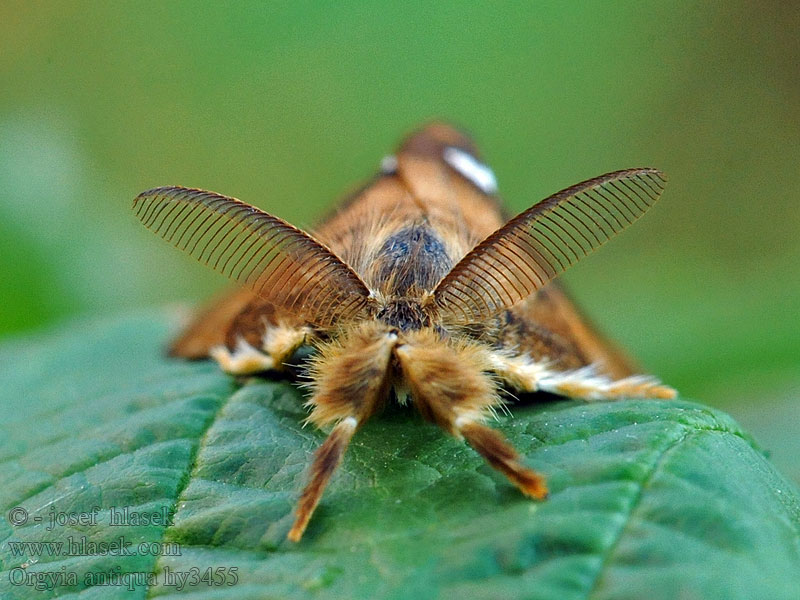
{"x":521,"y":372}
{"x":450,"y":387}
{"x":350,"y":380}
{"x":326,"y":460}
{"x":278,"y":343}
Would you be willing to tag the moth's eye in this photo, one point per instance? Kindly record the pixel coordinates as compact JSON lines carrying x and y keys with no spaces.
{"x":471,"y":168}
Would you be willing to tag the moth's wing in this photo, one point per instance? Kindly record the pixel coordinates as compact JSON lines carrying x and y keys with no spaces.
{"x":279,"y":263}
{"x":534,"y":247}
{"x":443,"y":170}
{"x":549,"y":326}
{"x":436,"y":176}
{"x":210,"y":325}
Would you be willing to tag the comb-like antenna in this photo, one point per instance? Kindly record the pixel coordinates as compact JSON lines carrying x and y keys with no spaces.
{"x":277,"y":261}
{"x":537,"y":245}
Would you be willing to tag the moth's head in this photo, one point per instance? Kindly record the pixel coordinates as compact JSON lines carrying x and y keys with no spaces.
{"x":404,"y":314}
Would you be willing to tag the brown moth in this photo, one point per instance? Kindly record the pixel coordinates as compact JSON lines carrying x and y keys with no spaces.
{"x":415,"y":288}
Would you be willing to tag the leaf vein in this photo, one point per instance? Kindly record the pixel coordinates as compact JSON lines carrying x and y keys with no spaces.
{"x":187,"y":479}
{"x":637,"y":499}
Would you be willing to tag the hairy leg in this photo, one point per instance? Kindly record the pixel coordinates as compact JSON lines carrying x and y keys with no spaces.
{"x":450,"y":387}
{"x":326,"y":460}
{"x":350,"y":381}
{"x":524,"y":374}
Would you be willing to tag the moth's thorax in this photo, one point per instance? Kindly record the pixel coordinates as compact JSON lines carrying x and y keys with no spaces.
{"x":409,"y":261}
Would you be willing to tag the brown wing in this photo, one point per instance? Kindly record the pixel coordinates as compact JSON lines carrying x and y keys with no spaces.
{"x":534,"y":247}
{"x":277,"y":261}
{"x":210,"y":326}
{"x":444,"y":172}
{"x":548,"y":326}
{"x":416,"y":184}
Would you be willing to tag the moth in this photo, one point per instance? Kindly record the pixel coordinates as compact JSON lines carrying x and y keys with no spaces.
{"x":416,"y":288}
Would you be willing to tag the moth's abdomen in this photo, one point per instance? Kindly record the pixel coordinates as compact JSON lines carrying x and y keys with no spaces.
{"x":413,"y":258}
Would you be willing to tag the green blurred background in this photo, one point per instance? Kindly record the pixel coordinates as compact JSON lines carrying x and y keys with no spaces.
{"x":288,"y":105}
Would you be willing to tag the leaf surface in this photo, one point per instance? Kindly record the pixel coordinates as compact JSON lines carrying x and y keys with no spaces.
{"x":649,"y":499}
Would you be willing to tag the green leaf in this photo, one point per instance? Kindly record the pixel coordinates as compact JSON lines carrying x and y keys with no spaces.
{"x":649,"y":499}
